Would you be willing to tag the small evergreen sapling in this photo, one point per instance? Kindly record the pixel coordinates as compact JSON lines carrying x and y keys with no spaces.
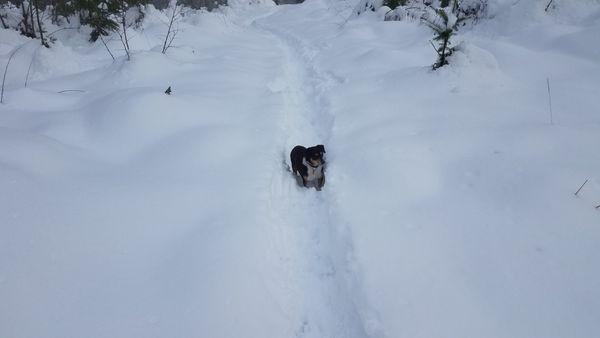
{"x":444,"y":17}
{"x":393,"y":4}
{"x":444,"y":22}
{"x":98,"y":15}
{"x":61,"y":11}
{"x":107,"y":16}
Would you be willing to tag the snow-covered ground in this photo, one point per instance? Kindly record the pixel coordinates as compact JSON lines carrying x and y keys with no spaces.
{"x":449,"y":207}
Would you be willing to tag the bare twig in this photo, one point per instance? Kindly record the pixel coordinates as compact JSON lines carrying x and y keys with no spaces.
{"x":6,"y":69}
{"x":170,"y":32}
{"x":125,"y":44}
{"x":30,"y":64}
{"x":598,"y":207}
{"x":124,"y":23}
{"x":548,"y":6}
{"x":550,"y":101}
{"x":108,"y":49}
{"x":71,"y":90}
{"x":123,"y":30}
{"x":172,"y":38}
{"x":577,"y":192}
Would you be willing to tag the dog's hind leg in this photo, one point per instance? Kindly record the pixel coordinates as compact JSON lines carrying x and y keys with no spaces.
{"x":299,"y":180}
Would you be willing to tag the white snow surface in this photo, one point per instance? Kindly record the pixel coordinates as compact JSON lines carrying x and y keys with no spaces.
{"x":448,"y":210}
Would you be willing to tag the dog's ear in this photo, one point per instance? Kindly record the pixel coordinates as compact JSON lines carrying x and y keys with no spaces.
{"x":321,"y":148}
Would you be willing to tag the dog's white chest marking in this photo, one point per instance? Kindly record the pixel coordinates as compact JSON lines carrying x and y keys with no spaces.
{"x":314,"y":173}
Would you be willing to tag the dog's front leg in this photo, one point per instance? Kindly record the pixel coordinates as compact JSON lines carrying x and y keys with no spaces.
{"x":321,"y":182}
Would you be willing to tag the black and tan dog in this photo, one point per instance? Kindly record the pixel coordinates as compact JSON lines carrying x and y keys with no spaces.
{"x":309,"y":164}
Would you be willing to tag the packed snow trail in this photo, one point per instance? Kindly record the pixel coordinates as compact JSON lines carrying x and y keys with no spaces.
{"x":312,"y":249}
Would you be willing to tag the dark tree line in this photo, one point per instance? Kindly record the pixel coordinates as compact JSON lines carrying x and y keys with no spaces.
{"x":103,"y":16}
{"x":195,"y":4}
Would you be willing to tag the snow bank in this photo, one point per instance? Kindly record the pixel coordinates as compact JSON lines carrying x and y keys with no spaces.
{"x":133,"y":213}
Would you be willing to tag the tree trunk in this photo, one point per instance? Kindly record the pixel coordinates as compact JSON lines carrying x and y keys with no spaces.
{"x":32,"y":20}
{"x":39,"y":22}
{"x":26,"y":27}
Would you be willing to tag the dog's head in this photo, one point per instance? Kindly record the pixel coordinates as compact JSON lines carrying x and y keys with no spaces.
{"x":315,"y":155}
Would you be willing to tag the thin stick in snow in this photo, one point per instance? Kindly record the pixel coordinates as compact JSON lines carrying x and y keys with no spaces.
{"x":29,"y":68}
{"x":4,"y":78}
{"x":172,"y":38}
{"x":578,"y":190}
{"x":550,"y":101}
{"x":124,"y":45}
{"x":6,"y":69}
{"x":598,"y":207}
{"x":434,"y":48}
{"x":71,"y":90}
{"x":548,"y":6}
{"x":124,"y":38}
{"x":108,"y":49}
{"x":170,"y":32}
